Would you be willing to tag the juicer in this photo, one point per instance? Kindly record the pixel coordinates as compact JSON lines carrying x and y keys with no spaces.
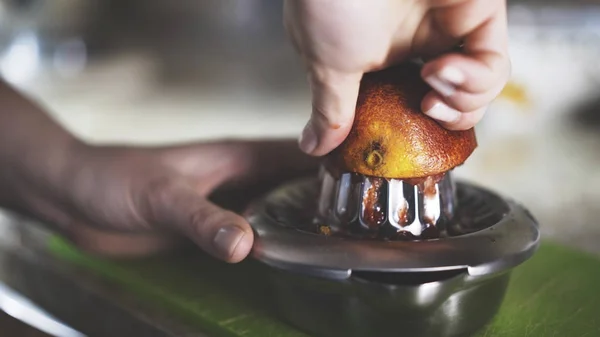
{"x":430,"y":263}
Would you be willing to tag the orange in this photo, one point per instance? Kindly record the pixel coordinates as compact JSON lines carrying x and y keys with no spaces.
{"x":391,"y":137}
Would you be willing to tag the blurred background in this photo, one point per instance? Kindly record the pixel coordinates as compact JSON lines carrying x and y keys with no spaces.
{"x":155,"y":72}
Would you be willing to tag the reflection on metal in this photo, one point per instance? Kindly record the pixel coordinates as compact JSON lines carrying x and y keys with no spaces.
{"x":27,"y":312}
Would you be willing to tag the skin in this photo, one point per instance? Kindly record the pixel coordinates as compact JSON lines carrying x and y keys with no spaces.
{"x":339,"y":41}
{"x":129,"y":201}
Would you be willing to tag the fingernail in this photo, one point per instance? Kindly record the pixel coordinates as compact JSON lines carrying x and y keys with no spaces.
{"x":308,"y":139}
{"x":443,"y":87}
{"x":452,"y":75}
{"x":227,"y":239}
{"x":443,"y":113}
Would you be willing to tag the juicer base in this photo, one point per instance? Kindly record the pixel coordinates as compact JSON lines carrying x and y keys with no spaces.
{"x":330,"y":308}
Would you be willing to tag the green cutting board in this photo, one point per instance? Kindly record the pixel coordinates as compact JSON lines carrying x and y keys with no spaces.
{"x":556,"y":293}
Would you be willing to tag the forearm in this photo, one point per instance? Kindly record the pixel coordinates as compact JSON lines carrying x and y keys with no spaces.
{"x":34,"y":150}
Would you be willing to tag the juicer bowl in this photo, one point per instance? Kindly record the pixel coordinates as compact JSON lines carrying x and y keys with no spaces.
{"x":340,"y":285}
{"x":363,"y":305}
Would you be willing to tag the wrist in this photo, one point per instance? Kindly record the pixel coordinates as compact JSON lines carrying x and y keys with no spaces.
{"x":36,"y":154}
{"x":35,"y":174}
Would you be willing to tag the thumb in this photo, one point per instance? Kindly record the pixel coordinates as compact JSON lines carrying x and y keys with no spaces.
{"x":334,"y":97}
{"x":219,"y":232}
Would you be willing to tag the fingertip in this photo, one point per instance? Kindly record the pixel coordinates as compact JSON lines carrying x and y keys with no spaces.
{"x":308,"y":140}
{"x":436,"y":108}
{"x":320,"y":137}
{"x":232,"y":243}
{"x":446,"y":79}
{"x":243,"y":248}
{"x":467,"y":120}
{"x":449,"y":66}
{"x":334,"y":97}
{"x":221,"y":233}
{"x":467,"y":73}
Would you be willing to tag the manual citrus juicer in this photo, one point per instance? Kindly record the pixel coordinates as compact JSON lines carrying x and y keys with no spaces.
{"x":384,"y":242}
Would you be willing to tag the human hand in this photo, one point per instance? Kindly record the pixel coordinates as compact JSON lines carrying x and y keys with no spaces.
{"x":126,"y":201}
{"x":341,"y":40}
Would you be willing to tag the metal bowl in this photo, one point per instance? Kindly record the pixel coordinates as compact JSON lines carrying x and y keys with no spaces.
{"x":343,"y":286}
{"x":449,"y":304}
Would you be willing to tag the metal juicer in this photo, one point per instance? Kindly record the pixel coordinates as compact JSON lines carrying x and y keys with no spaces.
{"x":360,"y":256}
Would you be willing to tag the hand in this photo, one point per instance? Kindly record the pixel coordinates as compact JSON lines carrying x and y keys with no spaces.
{"x":341,"y":40}
{"x":125,"y":201}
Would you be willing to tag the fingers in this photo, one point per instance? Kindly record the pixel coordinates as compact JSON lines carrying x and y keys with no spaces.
{"x":273,"y":160}
{"x":219,"y":232}
{"x":334,"y":102}
{"x":435,"y":107}
{"x":235,"y":164}
{"x":118,"y":245}
{"x":461,"y":73}
{"x":261,"y":165}
{"x":262,"y":161}
{"x":467,"y":82}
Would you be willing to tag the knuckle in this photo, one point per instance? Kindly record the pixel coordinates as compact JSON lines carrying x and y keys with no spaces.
{"x":467,"y":105}
{"x":508,"y":67}
{"x":323,"y":118}
{"x":503,"y":71}
{"x":494,"y":93}
{"x":200,"y":217}
{"x":495,"y":63}
{"x":159,"y":187}
{"x":330,"y":119}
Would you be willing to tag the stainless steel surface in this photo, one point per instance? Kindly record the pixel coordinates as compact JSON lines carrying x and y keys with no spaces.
{"x":364,"y":306}
{"x":19,"y":307}
{"x":76,"y":297}
{"x":398,"y":209}
{"x":496,"y":235}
